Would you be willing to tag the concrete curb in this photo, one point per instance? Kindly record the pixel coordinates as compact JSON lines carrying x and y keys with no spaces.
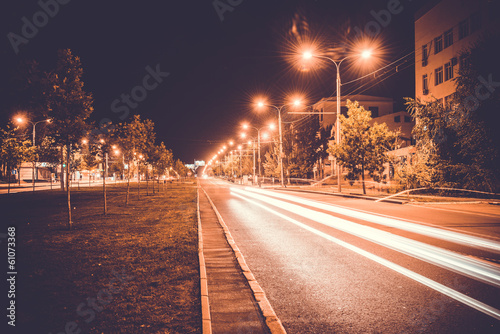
{"x":272,"y":321}
{"x":343,"y":195}
{"x":205,"y":305}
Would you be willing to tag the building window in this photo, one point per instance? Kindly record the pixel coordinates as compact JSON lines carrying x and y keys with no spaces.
{"x":425,"y":84}
{"x":438,"y":44}
{"x":463,"y":28}
{"x":438,"y":76}
{"x":475,"y":22}
{"x":425,"y":55}
{"x":464,"y":62}
{"x":374,"y":111}
{"x":343,"y":111}
{"x":448,"y":38}
{"x":448,"y":71}
{"x":397,"y":119}
{"x":407,"y":119}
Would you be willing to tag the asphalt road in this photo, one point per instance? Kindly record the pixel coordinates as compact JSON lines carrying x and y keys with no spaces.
{"x":334,"y":265}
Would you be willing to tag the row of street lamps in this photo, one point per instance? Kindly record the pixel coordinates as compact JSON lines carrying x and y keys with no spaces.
{"x":306,"y":56}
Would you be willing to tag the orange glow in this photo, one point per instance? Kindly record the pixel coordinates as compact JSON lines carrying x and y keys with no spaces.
{"x":245,"y":126}
{"x":240,"y":147}
{"x":307,"y":55}
{"x":243,"y":135}
{"x":19,"y":119}
{"x":265,"y":135}
{"x":366,"y":54}
{"x":117,"y":152}
{"x":101,"y":141}
{"x":84,"y":141}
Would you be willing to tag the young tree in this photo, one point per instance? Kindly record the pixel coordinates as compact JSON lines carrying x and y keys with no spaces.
{"x":162,"y":159}
{"x":69,"y":106}
{"x":181,"y":169}
{"x":134,"y":139}
{"x":13,"y":152}
{"x":271,"y":162}
{"x":305,"y":147}
{"x":363,"y":147}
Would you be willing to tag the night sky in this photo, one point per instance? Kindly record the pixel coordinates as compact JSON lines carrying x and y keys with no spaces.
{"x":215,"y":67}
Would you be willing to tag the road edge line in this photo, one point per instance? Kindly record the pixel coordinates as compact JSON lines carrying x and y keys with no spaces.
{"x":272,"y":321}
{"x":206,"y":320}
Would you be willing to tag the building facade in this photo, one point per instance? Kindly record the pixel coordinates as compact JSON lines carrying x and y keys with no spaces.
{"x":382,"y":110}
{"x":443,"y":31}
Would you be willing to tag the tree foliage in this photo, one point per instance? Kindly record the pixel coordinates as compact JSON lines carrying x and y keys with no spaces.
{"x":460,"y":138}
{"x":363,"y":146}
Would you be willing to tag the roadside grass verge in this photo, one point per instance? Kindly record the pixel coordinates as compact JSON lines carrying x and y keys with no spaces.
{"x":134,"y":270}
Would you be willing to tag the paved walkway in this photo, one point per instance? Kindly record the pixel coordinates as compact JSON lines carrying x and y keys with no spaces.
{"x":233,"y":308}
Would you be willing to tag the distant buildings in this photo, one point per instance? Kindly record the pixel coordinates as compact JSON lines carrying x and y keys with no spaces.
{"x":382,"y":109}
{"x":443,"y":29}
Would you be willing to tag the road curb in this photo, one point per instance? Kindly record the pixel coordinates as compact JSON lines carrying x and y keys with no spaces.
{"x":343,"y":195}
{"x":272,"y":321}
{"x":205,"y":304}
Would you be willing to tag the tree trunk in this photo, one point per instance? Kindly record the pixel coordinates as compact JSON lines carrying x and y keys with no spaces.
{"x":363,"y":177}
{"x":8,"y":179}
{"x":33,"y":175}
{"x":62,"y":168}
{"x":153,"y":182}
{"x":147,"y":180}
{"x":128,"y":184}
{"x":105,"y":174}
{"x":68,"y":191}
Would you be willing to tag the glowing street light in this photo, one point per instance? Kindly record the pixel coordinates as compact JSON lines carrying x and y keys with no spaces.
{"x":308,"y":56}
{"x":22,"y":120}
{"x":296,"y":103}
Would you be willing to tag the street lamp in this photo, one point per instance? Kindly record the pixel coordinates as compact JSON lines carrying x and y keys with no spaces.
{"x":296,"y":103}
{"x":271,"y":127}
{"x":308,"y":55}
{"x":22,"y":120}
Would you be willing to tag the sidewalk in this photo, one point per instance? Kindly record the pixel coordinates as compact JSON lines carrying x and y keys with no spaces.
{"x":232,"y":291}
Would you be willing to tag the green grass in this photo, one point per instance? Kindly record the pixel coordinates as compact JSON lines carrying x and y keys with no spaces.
{"x":152,"y":243}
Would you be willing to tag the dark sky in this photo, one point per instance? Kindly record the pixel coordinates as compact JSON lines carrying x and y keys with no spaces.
{"x":215,"y":66}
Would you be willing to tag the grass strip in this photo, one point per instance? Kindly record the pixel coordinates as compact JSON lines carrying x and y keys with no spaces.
{"x":134,"y":270}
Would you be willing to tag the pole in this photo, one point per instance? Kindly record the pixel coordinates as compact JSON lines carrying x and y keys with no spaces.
{"x":258,"y":140}
{"x":105,"y":174}
{"x":34,"y":162}
{"x":337,"y":136}
{"x":253,"y":147}
{"x":281,"y":149}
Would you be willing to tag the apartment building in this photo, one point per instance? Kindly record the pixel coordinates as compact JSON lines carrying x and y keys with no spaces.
{"x":443,"y":31}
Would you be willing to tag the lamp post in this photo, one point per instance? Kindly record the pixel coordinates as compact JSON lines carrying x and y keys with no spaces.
{"x":308,"y":55}
{"x":279,"y":109}
{"x":22,"y":120}
{"x":246,"y":126}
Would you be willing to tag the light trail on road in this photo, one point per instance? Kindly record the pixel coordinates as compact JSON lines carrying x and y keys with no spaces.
{"x":449,"y":260}
{"x":433,"y":232}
